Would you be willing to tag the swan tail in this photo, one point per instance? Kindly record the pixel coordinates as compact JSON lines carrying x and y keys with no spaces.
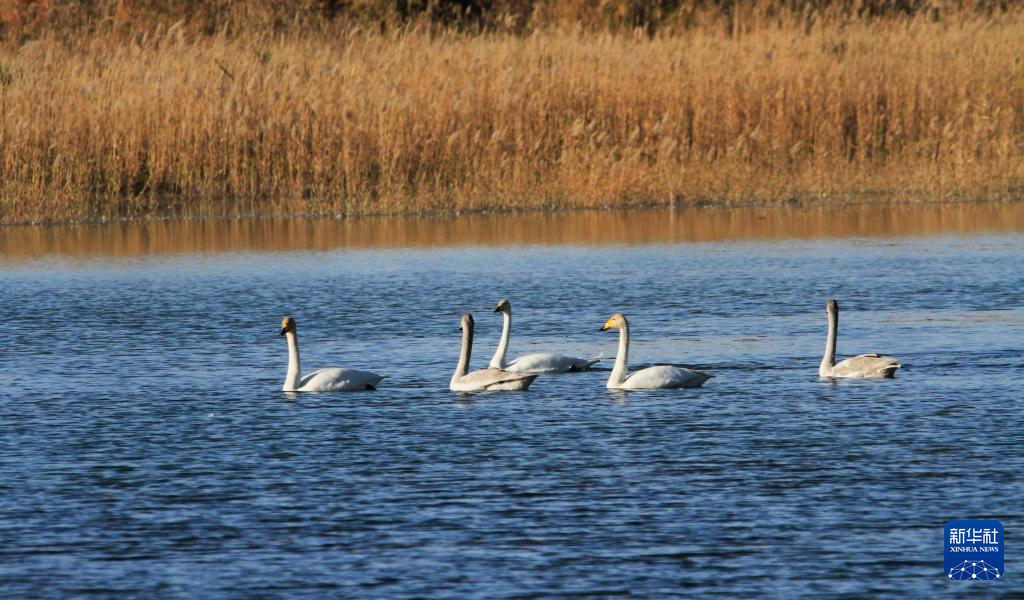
{"x":588,"y":363}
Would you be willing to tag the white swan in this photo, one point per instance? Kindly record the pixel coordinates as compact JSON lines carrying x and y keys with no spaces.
{"x":651,"y":378}
{"x":321,"y":380}
{"x":865,"y":366}
{"x":484,"y":380}
{"x":540,"y":362}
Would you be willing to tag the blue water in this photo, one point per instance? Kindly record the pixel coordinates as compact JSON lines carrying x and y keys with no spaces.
{"x":146,"y":449}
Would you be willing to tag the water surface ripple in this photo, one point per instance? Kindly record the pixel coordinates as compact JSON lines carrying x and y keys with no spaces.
{"x":146,"y":450}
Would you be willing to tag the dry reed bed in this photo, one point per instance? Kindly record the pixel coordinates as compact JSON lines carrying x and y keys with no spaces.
{"x":411,"y":122}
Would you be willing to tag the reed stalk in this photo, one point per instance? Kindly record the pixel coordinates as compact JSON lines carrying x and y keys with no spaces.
{"x":419,"y":119}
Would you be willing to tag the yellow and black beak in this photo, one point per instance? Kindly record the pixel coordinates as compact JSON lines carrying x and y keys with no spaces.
{"x":284,"y":330}
{"x":497,"y":308}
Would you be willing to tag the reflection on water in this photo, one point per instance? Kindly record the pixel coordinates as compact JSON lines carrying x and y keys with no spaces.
{"x":585,"y":228}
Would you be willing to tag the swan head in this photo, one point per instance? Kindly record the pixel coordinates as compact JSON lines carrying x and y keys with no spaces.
{"x":618,"y":321}
{"x":287,"y":325}
{"x":503,"y":306}
{"x":832,"y":306}
{"x":467,"y":322}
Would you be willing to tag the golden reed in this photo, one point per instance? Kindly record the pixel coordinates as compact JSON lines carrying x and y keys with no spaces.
{"x":416,"y":119}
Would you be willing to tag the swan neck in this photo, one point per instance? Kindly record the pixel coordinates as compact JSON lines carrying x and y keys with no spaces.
{"x":829,"y":359}
{"x":291,"y":380}
{"x":621,"y":359}
{"x":500,"y":355}
{"x":467,"y":349}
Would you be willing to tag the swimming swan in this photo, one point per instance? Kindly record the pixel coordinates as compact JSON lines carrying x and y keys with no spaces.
{"x":321,"y":380}
{"x":484,"y":380}
{"x":540,"y":362}
{"x":651,"y":378}
{"x":865,"y":366}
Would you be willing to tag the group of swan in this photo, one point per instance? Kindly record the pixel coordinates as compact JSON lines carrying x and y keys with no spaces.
{"x":520,"y":373}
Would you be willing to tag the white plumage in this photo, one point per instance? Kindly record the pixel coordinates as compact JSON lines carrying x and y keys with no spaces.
{"x":539,"y":362}
{"x":321,"y":380}
{"x":651,"y":378}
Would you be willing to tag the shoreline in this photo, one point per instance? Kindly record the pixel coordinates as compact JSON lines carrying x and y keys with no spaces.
{"x":878,"y":201}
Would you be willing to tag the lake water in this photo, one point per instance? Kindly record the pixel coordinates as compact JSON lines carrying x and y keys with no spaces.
{"x":146,"y":449}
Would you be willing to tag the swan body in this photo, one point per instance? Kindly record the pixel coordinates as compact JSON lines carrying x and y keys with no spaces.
{"x":651,"y":378}
{"x":484,"y":380}
{"x":337,"y":380}
{"x":321,"y":380}
{"x":548,"y":362}
{"x":540,"y":362}
{"x":490,"y":380}
{"x":865,"y":366}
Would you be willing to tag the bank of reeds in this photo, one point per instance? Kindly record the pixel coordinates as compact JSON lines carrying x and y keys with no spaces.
{"x":415,"y":119}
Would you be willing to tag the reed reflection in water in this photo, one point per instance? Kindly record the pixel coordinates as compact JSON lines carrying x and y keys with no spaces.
{"x":570,"y":228}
